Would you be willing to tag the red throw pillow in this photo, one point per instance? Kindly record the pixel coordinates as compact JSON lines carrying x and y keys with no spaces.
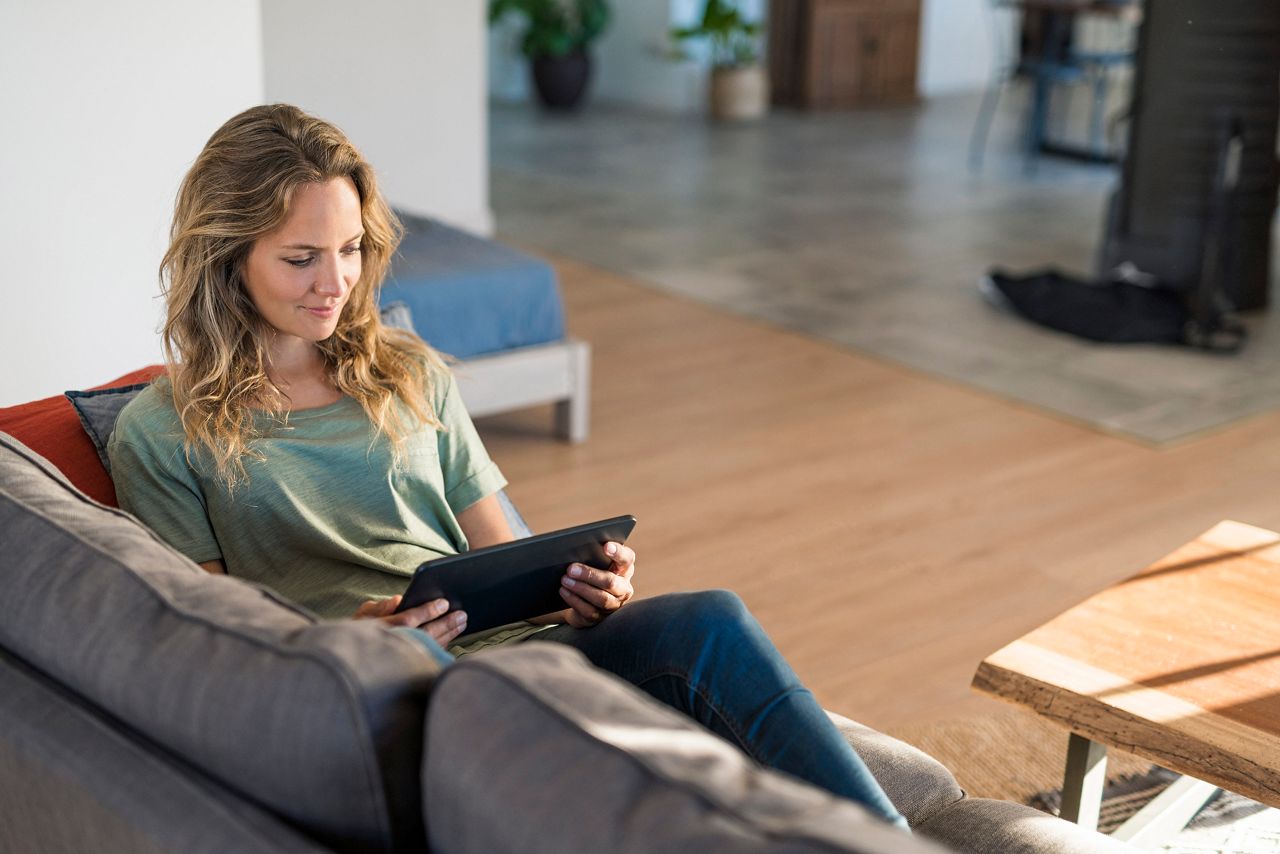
{"x":51,"y":428}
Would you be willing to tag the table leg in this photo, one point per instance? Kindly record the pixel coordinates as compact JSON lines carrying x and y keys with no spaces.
{"x":1082,"y":783}
{"x":1167,"y":813}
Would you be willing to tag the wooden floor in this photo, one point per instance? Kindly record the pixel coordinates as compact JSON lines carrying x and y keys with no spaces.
{"x":888,"y":529}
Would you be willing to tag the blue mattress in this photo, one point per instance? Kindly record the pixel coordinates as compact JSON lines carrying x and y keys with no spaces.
{"x":470,"y":296}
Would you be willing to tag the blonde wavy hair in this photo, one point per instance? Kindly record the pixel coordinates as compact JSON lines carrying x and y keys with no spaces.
{"x":215,"y":341}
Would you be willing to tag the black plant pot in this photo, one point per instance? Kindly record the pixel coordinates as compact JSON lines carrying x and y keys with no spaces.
{"x":561,"y":81}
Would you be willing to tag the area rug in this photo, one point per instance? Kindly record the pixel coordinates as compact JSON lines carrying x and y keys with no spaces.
{"x":1227,"y":824}
{"x":868,"y":231}
{"x":1010,"y":754}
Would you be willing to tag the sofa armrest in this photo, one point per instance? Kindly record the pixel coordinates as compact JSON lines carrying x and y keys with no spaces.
{"x":935,"y":806}
{"x":984,"y":826}
{"x":917,"y":784}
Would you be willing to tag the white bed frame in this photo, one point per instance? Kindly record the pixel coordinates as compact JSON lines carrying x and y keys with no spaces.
{"x":558,"y":373}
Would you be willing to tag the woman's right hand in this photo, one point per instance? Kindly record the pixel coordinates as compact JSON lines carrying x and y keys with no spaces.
{"x":435,"y":617}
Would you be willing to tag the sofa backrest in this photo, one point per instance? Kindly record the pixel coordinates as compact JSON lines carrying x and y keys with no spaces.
{"x":71,"y":782}
{"x":319,"y":722}
{"x":630,"y":774}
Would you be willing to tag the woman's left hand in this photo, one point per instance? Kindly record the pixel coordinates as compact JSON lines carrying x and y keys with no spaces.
{"x":593,"y":594}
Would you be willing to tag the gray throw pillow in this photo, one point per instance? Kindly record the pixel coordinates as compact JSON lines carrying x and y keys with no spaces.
{"x":99,"y":408}
{"x":531,"y":749}
{"x":320,"y":722}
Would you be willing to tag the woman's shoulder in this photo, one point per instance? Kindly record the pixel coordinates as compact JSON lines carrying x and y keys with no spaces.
{"x":150,"y":418}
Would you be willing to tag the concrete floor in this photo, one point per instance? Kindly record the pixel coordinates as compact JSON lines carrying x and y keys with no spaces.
{"x":867,"y":229}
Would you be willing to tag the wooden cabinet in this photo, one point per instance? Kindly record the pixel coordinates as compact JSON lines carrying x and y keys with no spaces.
{"x":843,"y":54}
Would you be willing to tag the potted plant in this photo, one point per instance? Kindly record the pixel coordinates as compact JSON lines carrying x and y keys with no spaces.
{"x":555,"y":40}
{"x":739,"y":85}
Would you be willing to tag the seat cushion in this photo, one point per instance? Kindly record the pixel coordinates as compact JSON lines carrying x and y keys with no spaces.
{"x":319,"y":722}
{"x":469,"y":296}
{"x":531,"y":749}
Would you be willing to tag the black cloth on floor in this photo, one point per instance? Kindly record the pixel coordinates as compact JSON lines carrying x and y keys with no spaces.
{"x":1115,"y":312}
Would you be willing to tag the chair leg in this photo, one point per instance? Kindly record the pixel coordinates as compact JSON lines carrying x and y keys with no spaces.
{"x":573,"y":415}
{"x":1097,"y":139}
{"x":1038,"y":120}
{"x":982,"y":127}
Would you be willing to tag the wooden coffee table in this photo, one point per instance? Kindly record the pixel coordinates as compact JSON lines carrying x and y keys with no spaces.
{"x":1179,"y":664}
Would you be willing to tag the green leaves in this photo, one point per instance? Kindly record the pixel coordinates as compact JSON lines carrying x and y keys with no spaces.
{"x":554,"y":27}
{"x":734,"y":40}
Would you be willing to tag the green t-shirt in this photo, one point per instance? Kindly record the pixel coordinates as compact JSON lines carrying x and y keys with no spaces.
{"x":326,"y":519}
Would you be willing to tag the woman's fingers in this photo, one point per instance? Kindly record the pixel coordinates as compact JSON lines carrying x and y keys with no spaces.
{"x":416,"y":616}
{"x":435,"y":617}
{"x":446,"y":628}
{"x":582,"y":579}
{"x":624,"y":559}
{"x":377,"y":608}
{"x":588,"y":614}
{"x":603,"y":591}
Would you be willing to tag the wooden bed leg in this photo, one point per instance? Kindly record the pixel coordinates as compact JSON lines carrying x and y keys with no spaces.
{"x":573,"y":415}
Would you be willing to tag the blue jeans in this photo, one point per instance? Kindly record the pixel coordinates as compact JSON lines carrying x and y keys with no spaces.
{"x":704,"y":655}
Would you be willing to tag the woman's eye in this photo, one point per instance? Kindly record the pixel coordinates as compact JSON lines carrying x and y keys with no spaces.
{"x":298,"y":262}
{"x":351,"y":250}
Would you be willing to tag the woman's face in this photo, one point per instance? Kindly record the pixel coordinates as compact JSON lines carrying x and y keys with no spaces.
{"x":300,"y":275}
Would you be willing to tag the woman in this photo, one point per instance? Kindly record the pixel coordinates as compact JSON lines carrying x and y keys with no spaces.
{"x":299,"y":443}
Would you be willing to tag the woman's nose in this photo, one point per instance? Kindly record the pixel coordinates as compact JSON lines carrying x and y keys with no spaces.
{"x":329,"y":279}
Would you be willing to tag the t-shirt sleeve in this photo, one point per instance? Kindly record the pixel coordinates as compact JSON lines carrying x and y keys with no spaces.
{"x":469,"y":474}
{"x":164,"y":494}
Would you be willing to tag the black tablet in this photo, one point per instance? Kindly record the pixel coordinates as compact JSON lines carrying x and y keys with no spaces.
{"x":517,"y":580}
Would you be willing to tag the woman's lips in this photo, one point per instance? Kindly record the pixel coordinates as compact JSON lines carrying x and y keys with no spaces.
{"x":322,"y":311}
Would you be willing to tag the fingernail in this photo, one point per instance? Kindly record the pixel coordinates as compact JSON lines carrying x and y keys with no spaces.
{"x":460,"y":619}
{"x":611,"y":549}
{"x":575,"y":571}
{"x":441,"y":605}
{"x":569,"y":582}
{"x":564,"y":593}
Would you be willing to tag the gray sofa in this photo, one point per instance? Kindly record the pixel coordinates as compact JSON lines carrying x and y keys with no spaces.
{"x":148,"y":706}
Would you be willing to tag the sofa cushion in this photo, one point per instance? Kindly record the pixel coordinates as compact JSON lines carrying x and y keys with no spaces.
{"x":629,"y":774}
{"x":50,"y":428}
{"x":320,"y":722}
{"x":71,"y":782}
{"x":980,"y":826}
{"x":917,"y":784}
{"x":98,"y":410}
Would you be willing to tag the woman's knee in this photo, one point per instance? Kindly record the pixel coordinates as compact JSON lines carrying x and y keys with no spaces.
{"x":715,"y":610}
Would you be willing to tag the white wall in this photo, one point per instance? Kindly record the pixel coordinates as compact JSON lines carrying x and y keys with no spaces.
{"x":103,"y":106}
{"x":506,"y":67}
{"x":957,"y":47}
{"x":635,"y":68}
{"x":406,"y":80}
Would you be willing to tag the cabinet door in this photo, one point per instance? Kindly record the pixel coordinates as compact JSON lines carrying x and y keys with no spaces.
{"x":861,"y":52}
{"x":898,"y":54}
{"x":835,"y":68}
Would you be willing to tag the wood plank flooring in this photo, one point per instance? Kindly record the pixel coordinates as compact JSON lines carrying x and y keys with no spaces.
{"x":889,"y":530}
